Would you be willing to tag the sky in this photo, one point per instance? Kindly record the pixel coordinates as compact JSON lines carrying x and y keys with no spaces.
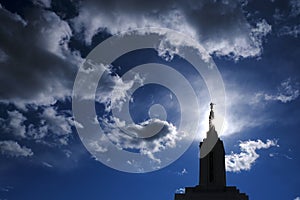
{"x":149,"y":110}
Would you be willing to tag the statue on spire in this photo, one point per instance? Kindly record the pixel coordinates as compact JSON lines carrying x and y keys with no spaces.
{"x":211,"y":115}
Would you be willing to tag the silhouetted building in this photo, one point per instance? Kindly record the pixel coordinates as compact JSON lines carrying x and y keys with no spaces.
{"x":212,"y":180}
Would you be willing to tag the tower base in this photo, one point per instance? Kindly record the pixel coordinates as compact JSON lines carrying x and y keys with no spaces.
{"x":200,"y":193}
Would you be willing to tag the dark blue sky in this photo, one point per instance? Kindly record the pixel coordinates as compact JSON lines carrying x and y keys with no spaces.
{"x":43,"y":43}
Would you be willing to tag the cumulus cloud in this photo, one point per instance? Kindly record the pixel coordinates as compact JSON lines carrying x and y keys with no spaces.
{"x":52,"y":124}
{"x":242,"y":46}
{"x":36,"y":63}
{"x":38,"y":67}
{"x":95,"y":146}
{"x":236,"y":162}
{"x":13,"y":149}
{"x":16,"y":123}
{"x":38,"y":55}
{"x":58,"y":124}
{"x":220,"y":26}
{"x":114,"y":91}
{"x":148,"y":137}
{"x":286,"y":92}
{"x":52,"y":127}
{"x":128,"y":136}
{"x":297,"y":198}
{"x":180,"y":190}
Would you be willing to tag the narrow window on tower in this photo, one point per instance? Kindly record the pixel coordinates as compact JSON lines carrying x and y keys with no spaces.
{"x":211,"y":167}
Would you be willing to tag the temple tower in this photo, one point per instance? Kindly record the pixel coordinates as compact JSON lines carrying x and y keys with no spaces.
{"x":212,"y":172}
{"x":212,"y":166}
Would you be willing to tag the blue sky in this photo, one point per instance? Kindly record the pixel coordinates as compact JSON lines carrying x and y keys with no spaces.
{"x":43,"y":43}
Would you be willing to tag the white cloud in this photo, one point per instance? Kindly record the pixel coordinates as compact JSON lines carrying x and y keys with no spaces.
{"x":236,"y":162}
{"x":114,"y":91}
{"x":13,"y":149}
{"x":95,"y":146}
{"x":148,"y":137}
{"x":121,"y":135}
{"x":241,"y":46}
{"x":297,"y":198}
{"x":183,"y":171}
{"x":180,"y":190}
{"x":47,"y":164}
{"x":286,"y":92}
{"x":94,"y":16}
{"x":67,"y":152}
{"x":16,"y":123}
{"x":52,"y":125}
{"x":57,"y":123}
{"x":220,"y":26}
{"x":37,"y":133}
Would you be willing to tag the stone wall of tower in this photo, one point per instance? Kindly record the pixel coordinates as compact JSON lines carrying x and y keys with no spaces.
{"x":212,"y":168}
